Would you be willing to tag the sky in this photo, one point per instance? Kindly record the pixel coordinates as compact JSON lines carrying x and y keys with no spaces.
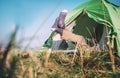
{"x":33,"y":17}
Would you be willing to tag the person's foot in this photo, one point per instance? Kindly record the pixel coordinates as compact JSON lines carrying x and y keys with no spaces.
{"x":61,"y":19}
{"x":65,"y":11}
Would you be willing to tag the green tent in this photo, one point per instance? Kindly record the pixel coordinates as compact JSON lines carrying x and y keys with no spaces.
{"x":95,"y":20}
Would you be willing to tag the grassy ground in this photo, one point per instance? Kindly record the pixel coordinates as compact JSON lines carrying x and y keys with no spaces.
{"x":31,"y":65}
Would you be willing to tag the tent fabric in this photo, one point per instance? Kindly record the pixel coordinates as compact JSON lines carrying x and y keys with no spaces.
{"x":115,"y":17}
{"x":92,"y":14}
{"x":95,"y":10}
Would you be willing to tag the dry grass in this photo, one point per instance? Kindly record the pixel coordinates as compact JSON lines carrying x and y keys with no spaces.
{"x":30,"y":64}
{"x":98,"y":65}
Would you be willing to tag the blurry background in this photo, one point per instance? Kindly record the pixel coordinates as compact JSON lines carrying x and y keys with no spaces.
{"x":34,"y":18}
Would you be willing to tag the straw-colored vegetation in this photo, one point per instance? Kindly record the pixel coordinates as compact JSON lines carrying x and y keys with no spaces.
{"x":30,"y":64}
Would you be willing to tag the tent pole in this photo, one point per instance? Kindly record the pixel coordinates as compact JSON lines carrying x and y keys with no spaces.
{"x":111,"y":54}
